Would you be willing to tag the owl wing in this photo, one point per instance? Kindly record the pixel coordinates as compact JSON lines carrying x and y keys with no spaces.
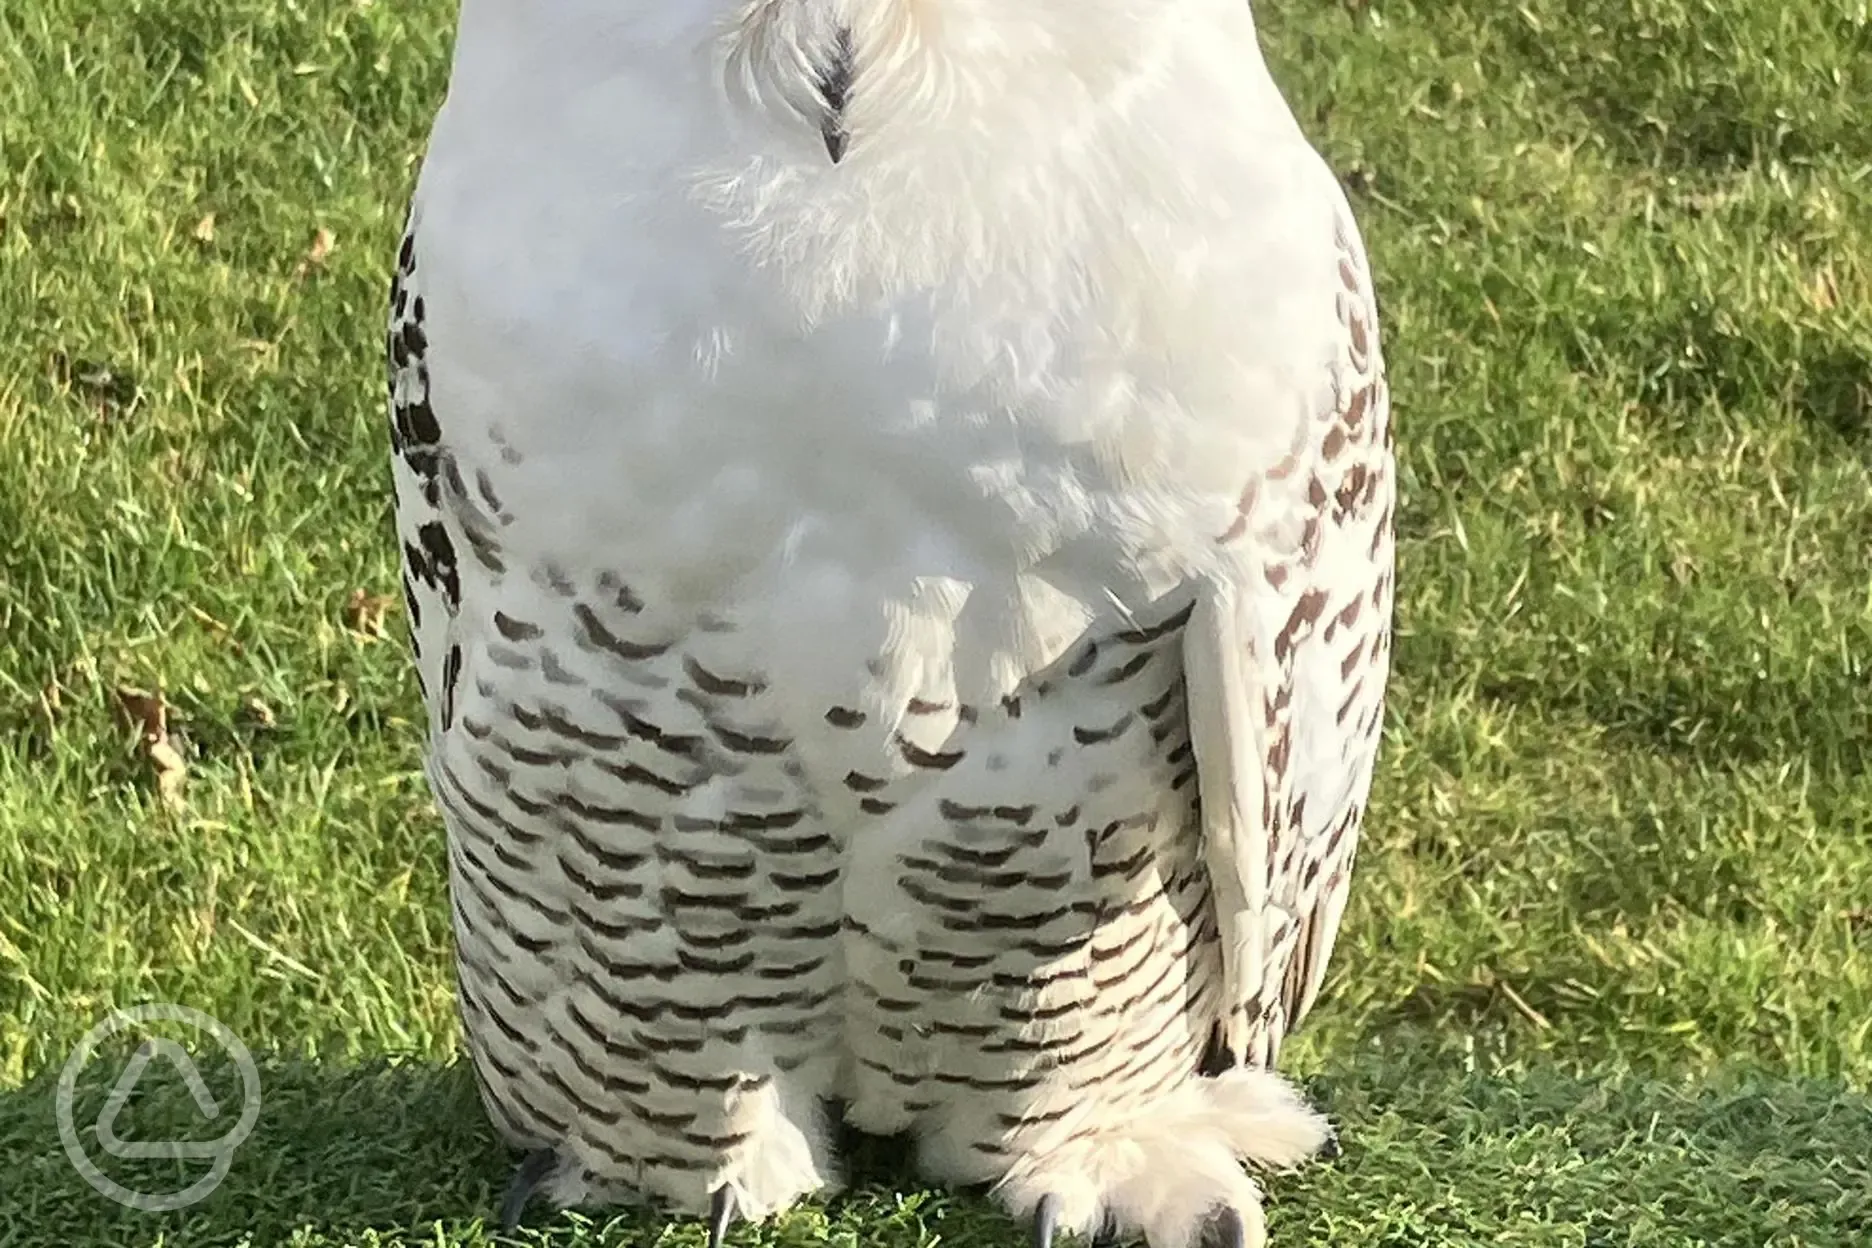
{"x":1286,"y":665}
{"x":431,"y":573}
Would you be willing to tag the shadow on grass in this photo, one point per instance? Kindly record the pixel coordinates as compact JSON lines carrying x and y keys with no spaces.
{"x":381,"y":1153}
{"x":1671,"y":87}
{"x":401,"y":1155}
{"x":343,"y":1150}
{"x":1701,"y":353}
{"x":1436,"y":1156}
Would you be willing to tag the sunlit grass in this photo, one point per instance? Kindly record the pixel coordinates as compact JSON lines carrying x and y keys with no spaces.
{"x":1608,"y":975}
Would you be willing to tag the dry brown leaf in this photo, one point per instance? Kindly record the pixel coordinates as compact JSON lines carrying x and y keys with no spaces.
{"x":320,"y":251}
{"x":149,"y":714}
{"x":364,"y":612}
{"x":259,"y":713}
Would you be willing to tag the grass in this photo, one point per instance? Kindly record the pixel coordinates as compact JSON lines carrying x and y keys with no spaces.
{"x":1607,"y":979}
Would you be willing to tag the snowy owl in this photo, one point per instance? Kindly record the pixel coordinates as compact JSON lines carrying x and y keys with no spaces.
{"x":896,"y":511}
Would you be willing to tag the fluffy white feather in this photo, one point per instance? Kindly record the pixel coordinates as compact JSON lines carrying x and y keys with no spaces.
{"x":923,"y":523}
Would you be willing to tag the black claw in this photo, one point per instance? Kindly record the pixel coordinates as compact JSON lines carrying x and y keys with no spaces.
{"x":1226,"y":1230}
{"x":1107,"y":1236}
{"x":720,"y":1215}
{"x":1046,"y":1213}
{"x":533,"y":1171}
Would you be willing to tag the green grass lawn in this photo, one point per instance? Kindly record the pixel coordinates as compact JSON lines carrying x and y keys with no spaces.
{"x":1607,"y":978}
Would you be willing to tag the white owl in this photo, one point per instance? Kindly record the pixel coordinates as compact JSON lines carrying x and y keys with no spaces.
{"x":896,"y":501}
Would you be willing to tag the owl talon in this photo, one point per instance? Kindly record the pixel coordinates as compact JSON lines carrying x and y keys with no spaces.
{"x":721,"y":1215}
{"x":534,"y":1169}
{"x":1046,"y":1213}
{"x":1227,"y":1231}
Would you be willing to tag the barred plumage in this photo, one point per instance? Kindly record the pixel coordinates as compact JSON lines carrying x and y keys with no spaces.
{"x":904,"y":620}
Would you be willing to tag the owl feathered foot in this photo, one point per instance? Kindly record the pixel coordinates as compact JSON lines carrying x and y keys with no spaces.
{"x":1168,"y":1173}
{"x":529,"y":1177}
{"x":1226,"y":1229}
{"x":539,"y":1166}
{"x":1218,"y":1060}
